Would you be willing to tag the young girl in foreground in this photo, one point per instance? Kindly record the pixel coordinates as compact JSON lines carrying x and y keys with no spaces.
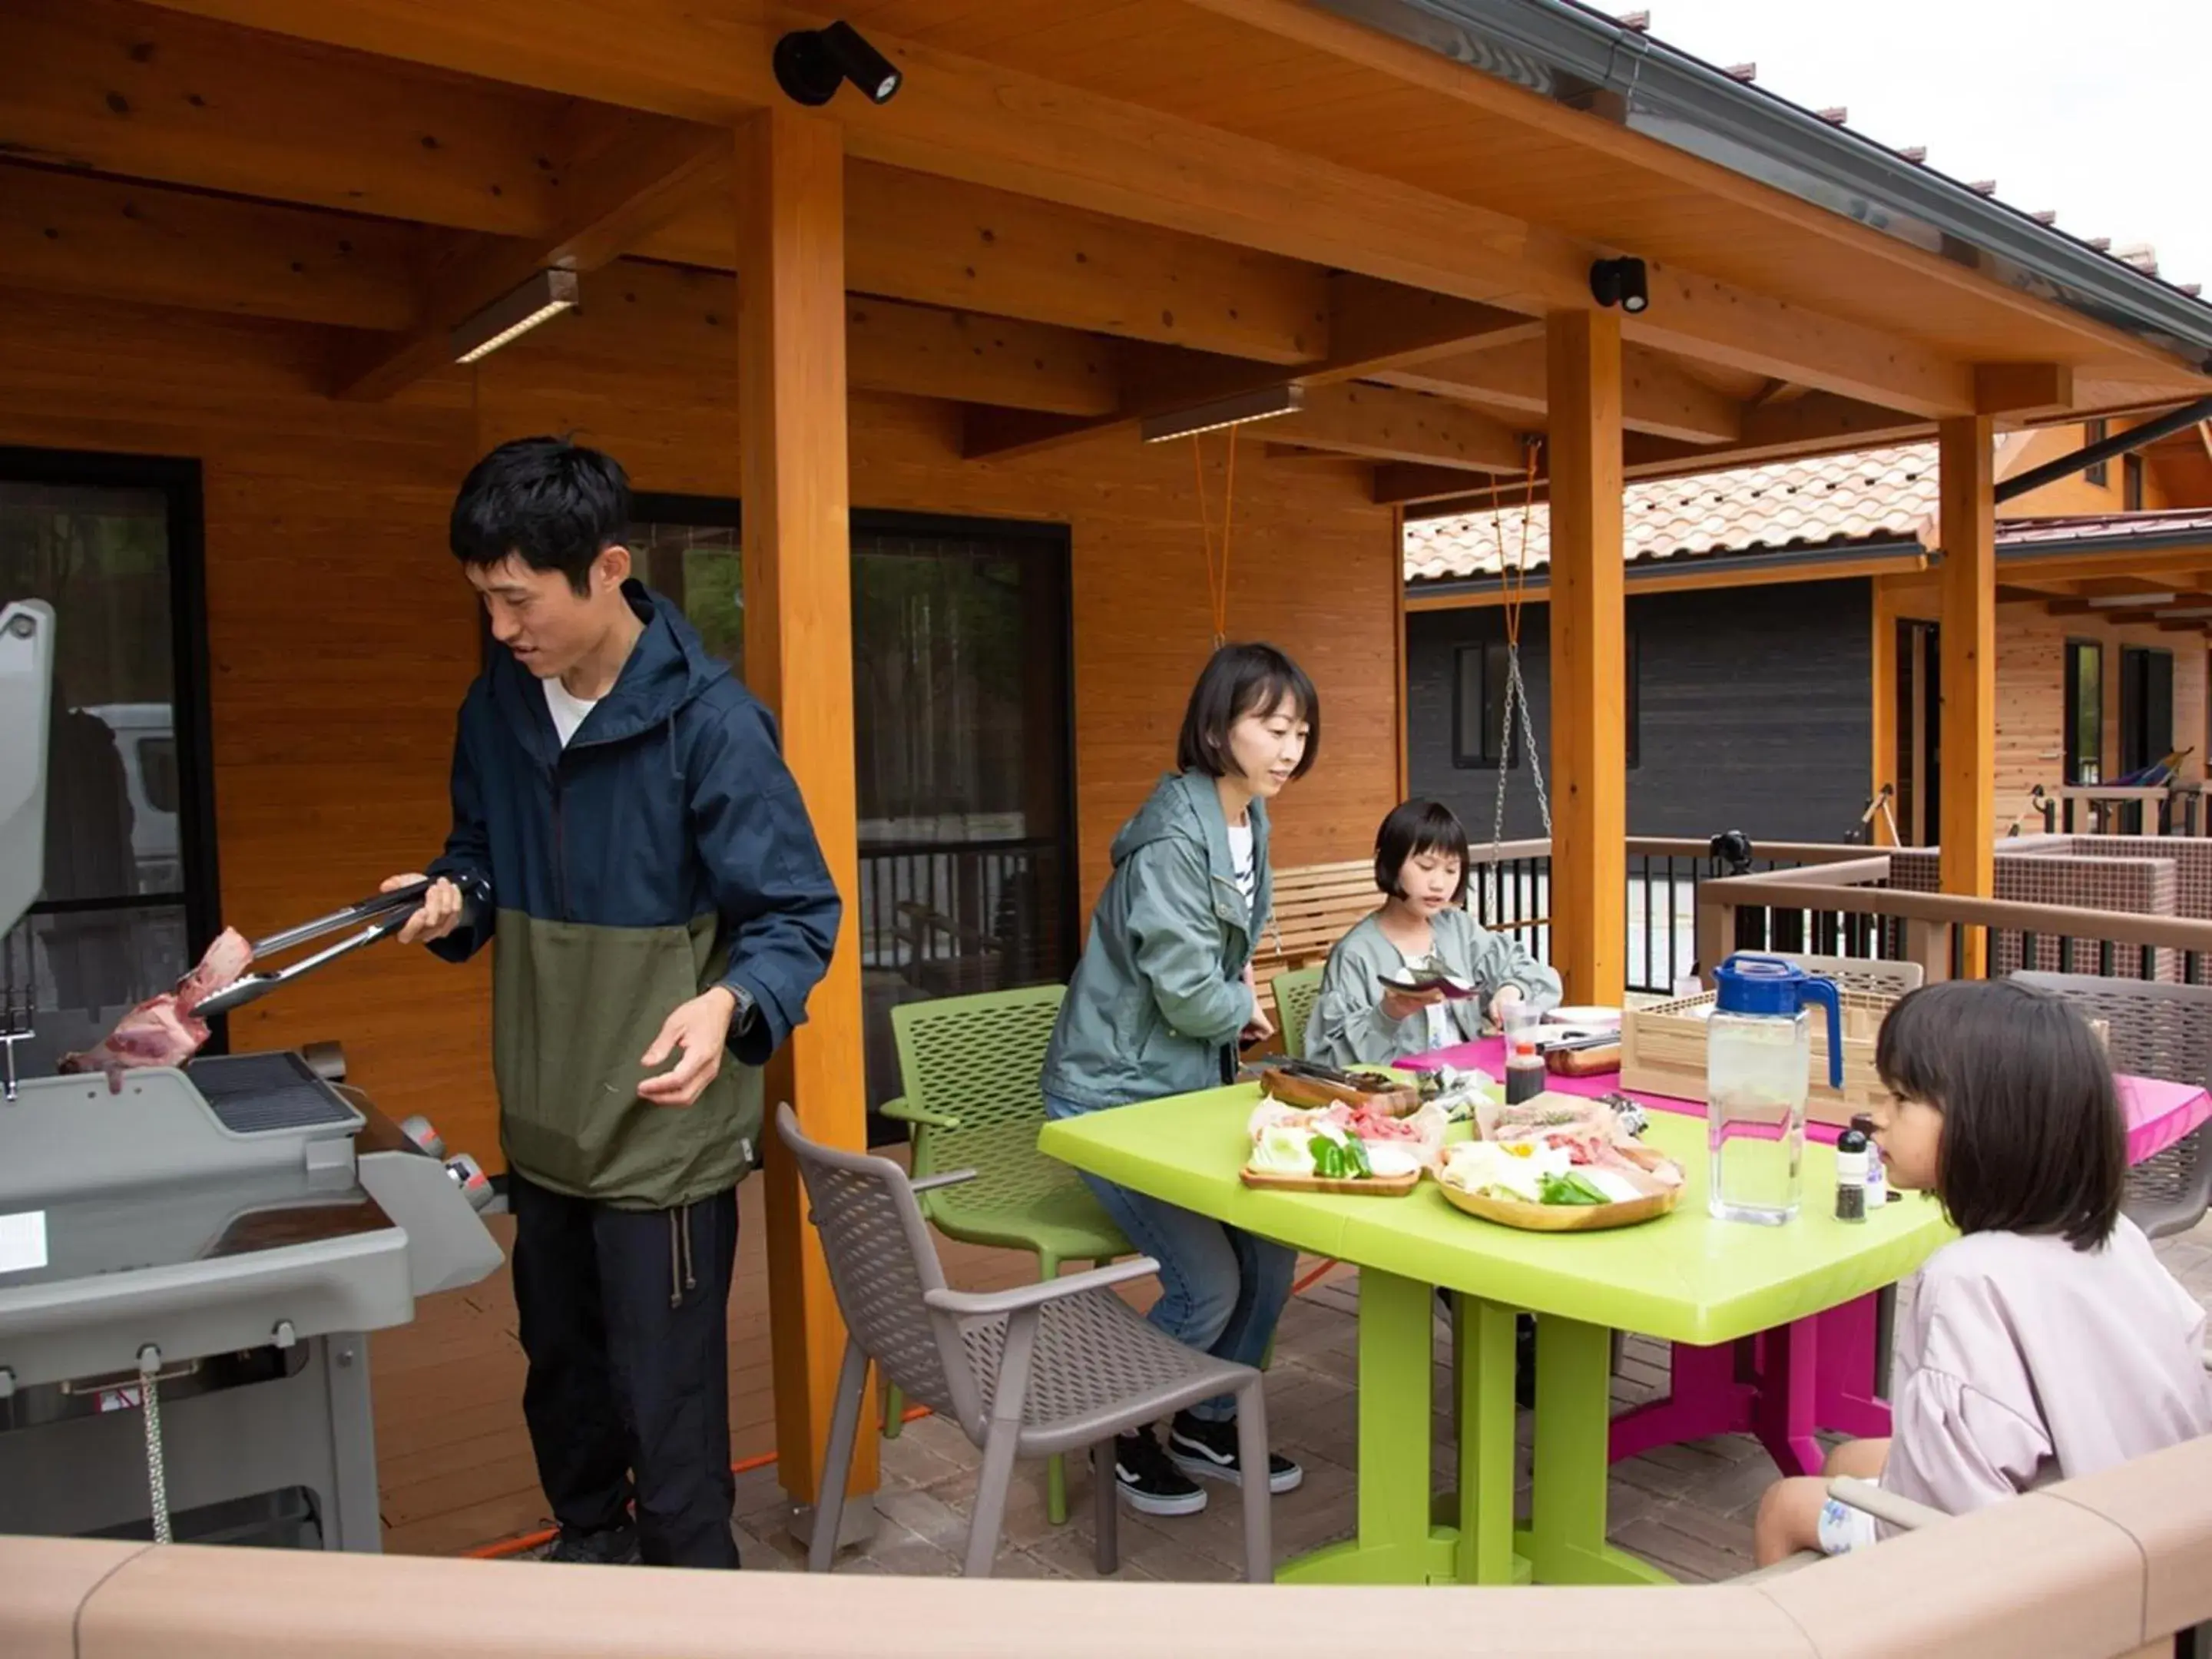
{"x":2047,"y":1344}
{"x":1162,"y":993}
{"x":1421,"y":869}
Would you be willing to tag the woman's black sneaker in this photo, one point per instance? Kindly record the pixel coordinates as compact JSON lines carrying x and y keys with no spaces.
{"x":1208,"y":1450}
{"x":1149,"y":1483}
{"x":615,"y":1547}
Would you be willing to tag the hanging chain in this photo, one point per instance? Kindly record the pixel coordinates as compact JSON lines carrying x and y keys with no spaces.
{"x":157,"y":1478}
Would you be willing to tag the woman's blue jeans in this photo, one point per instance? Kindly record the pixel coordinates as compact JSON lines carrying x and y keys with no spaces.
{"x":1222,"y":1289}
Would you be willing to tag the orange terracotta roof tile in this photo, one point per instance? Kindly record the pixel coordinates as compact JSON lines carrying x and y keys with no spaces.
{"x":1891,"y":493}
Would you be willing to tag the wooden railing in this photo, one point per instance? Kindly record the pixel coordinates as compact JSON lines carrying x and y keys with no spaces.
{"x":2111,"y":1567}
{"x":1934,"y":929}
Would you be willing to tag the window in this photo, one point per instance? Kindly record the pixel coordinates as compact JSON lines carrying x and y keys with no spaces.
{"x":2131,"y":483}
{"x":962,"y":742}
{"x":1478,"y":707}
{"x":2097,"y":473}
{"x":2084,"y":712}
{"x":2146,"y":707}
{"x":1631,"y":695}
{"x":130,"y":897}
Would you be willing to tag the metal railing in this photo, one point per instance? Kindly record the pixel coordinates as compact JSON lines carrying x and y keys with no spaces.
{"x":1510,"y":893}
{"x":957,"y":916}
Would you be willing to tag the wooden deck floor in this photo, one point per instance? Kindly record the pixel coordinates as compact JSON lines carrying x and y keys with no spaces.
{"x":457,"y":1473}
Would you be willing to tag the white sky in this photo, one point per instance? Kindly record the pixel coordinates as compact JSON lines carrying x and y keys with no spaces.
{"x":2100,"y":111}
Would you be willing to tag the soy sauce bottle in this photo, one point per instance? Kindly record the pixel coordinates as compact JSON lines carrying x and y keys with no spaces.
{"x":1852,"y":1154}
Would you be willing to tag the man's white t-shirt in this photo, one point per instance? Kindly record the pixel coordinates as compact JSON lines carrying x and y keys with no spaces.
{"x":568,"y":711}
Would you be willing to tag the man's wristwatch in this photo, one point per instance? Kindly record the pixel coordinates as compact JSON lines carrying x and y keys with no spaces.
{"x":744,"y":1015}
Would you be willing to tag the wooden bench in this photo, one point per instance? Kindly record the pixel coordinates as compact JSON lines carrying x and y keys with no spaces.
{"x":1316,"y":905}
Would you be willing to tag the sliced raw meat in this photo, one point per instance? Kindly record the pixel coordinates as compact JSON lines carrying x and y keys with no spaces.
{"x":163,"y":1030}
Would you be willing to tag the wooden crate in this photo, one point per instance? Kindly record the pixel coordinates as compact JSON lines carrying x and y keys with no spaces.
{"x":1662,"y":1052}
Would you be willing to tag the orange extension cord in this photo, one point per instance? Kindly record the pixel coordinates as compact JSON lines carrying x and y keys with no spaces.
{"x":531,"y":1540}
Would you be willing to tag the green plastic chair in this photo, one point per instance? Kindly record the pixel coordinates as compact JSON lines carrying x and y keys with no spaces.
{"x":969,"y":1067}
{"x":1296,"y":993}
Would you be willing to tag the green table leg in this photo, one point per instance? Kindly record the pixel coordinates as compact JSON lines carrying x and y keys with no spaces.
{"x":1484,"y":1356}
{"x":1565,"y":1538}
{"x":1396,"y":1544}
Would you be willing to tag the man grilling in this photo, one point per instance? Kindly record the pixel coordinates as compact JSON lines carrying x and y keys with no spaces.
{"x":625,"y":827}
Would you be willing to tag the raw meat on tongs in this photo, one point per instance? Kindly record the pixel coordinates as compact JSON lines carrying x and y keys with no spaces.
{"x":163,"y":1030}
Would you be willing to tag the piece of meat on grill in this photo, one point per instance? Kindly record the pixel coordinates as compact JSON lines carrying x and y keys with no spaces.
{"x":163,"y":1030}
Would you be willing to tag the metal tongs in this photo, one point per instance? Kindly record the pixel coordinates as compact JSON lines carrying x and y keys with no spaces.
{"x":384,"y":915}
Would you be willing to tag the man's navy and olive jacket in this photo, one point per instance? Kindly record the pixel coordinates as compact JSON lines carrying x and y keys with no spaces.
{"x":663,"y":852}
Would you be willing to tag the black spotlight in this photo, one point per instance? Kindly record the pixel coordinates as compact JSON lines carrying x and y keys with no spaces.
{"x":1619,"y":282}
{"x":811,"y":63}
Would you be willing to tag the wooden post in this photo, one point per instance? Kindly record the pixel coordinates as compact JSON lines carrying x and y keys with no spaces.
{"x":1589,"y":735}
{"x":1969,"y":589}
{"x":789,"y":176}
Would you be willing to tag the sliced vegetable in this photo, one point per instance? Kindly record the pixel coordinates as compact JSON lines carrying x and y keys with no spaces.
{"x":1569,"y":1189}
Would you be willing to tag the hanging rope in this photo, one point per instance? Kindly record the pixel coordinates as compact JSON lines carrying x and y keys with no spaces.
{"x":1514,"y":578}
{"x":1217,"y":573}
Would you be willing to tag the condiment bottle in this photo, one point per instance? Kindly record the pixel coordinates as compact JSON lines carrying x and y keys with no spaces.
{"x":1524,"y":1067}
{"x":1877,"y":1178}
{"x":1851,"y":1173}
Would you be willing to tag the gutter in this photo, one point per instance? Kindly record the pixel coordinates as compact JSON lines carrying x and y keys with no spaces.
{"x":1907,"y":554}
{"x":1587,"y":62}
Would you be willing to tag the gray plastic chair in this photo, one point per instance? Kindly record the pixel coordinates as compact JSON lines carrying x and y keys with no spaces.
{"x":1040,"y":1369}
{"x":2161,"y":1030}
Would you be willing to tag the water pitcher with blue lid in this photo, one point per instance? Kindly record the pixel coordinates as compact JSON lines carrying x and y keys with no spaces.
{"x":1759,"y":1070}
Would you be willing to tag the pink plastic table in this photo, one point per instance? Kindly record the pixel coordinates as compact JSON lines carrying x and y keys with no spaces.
{"x":1817,"y":1373}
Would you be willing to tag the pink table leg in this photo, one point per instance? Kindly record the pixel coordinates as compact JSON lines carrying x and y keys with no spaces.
{"x":1847,"y":1397}
{"x":1782,"y":1407}
{"x":1706,"y":1398}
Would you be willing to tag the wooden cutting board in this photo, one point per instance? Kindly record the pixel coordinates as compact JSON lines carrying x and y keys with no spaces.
{"x":1373,"y":1186}
{"x":1294,"y":1089}
{"x":1561,"y":1217}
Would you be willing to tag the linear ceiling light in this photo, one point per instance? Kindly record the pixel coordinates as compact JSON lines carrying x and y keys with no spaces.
{"x":548,"y":294}
{"x":1226,"y":411}
{"x":2131,"y":601}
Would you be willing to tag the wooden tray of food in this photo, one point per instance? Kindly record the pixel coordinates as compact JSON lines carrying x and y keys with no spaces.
{"x":1313,"y":1086}
{"x":1561,"y":1217}
{"x":1367,"y":1187}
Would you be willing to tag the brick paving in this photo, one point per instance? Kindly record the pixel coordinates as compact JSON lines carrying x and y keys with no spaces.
{"x":1687,"y":1509}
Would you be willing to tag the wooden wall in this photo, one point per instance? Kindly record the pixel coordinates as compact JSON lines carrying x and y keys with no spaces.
{"x":343,"y":635}
{"x":2075,"y":494}
{"x":2032,"y":692}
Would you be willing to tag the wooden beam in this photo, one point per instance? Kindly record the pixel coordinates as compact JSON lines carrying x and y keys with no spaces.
{"x":141,"y":242}
{"x":1386,"y":424}
{"x":636,"y":180}
{"x":1379,"y":324}
{"x":939,"y":241}
{"x":1589,"y":746}
{"x":76,"y":233}
{"x":1658,"y":396}
{"x":2023,"y":389}
{"x":1968,"y":581}
{"x":998,"y":127}
{"x":979,"y":360}
{"x":1508,"y":97}
{"x":789,"y":176}
{"x":148,"y":94}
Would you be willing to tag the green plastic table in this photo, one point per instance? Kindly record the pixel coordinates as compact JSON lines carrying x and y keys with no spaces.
{"x":1685,"y":1277}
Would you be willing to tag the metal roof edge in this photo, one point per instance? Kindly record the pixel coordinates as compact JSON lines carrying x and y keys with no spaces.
{"x":1570,"y":55}
{"x":1808,"y":558}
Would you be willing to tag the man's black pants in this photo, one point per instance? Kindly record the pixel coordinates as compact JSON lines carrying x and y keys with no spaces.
{"x":624,"y":1321}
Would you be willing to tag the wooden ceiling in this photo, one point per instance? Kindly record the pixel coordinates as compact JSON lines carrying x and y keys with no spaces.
{"x":1068,"y":218}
